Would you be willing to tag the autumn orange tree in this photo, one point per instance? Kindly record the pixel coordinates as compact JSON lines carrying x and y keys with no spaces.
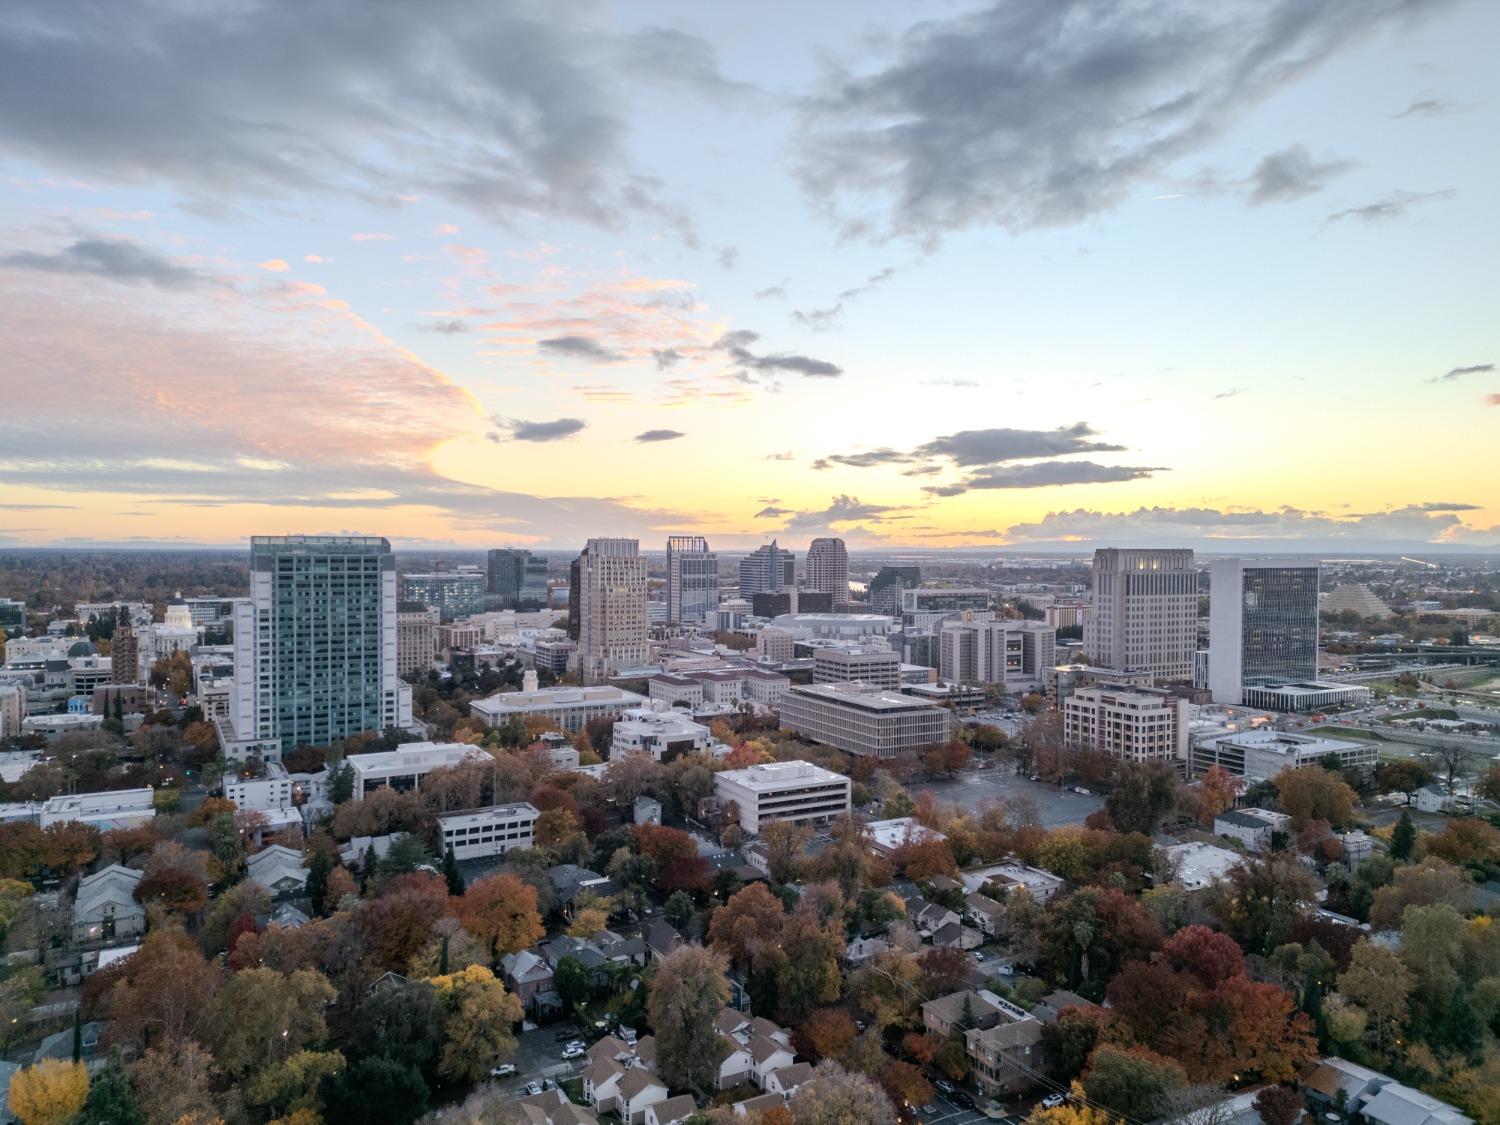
{"x":747,"y":926}
{"x":500,"y":911}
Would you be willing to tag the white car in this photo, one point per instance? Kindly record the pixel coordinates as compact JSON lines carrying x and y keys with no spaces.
{"x":504,"y":1070}
{"x":1052,"y":1101}
{"x":573,"y":1051}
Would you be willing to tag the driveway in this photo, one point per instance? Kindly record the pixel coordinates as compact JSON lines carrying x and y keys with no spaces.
{"x":536,"y":1058}
{"x":974,"y":788}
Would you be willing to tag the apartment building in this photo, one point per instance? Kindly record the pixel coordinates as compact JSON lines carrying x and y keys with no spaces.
{"x":1134,"y":724}
{"x":613,"y":630}
{"x":1012,"y":655}
{"x":827,"y":570}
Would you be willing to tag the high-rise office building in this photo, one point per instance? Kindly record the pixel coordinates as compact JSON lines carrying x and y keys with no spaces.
{"x":692,"y":578}
{"x":1013,"y":655}
{"x":886,"y":587}
{"x":767,"y":569}
{"x":416,"y":637}
{"x":453,"y":593}
{"x":575,"y":597}
{"x":315,"y":643}
{"x":124,"y":650}
{"x":827,"y":570}
{"x":1145,"y":611}
{"x":517,"y":578}
{"x":1262,"y":625}
{"x":613,"y":629}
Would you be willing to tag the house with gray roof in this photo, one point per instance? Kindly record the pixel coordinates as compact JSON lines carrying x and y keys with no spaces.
{"x":105,"y":908}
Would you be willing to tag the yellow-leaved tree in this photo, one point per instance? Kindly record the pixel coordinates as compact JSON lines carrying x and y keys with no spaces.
{"x":50,"y":1093}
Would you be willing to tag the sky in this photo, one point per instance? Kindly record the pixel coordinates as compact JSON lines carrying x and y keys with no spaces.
{"x":1022,"y":275}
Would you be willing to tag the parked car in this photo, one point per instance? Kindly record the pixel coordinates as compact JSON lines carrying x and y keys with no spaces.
{"x":533,"y":1088}
{"x":944,"y":1086}
{"x":979,"y":955}
{"x":548,"y":1084}
{"x":1081,"y":791}
{"x":572,"y":1051}
{"x":566,"y":1034}
{"x":1052,"y":1101}
{"x":504,"y":1070}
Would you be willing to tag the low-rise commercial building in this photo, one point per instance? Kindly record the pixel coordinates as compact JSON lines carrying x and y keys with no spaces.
{"x":663,"y":733}
{"x":797,"y":791}
{"x":880,"y":667}
{"x":1130,"y":723}
{"x":1012,"y":655}
{"x":724,"y":688}
{"x":569,"y":708}
{"x":117,"y":808}
{"x":885,"y":836}
{"x":54,"y":726}
{"x":404,"y":767}
{"x":863,"y":720}
{"x":487,"y":832}
{"x":1262,"y":754}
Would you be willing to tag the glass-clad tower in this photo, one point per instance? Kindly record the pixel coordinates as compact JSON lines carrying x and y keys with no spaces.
{"x":692,"y":578}
{"x":315,"y":643}
{"x":1263,"y":625}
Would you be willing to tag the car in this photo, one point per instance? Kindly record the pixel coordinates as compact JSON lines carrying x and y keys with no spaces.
{"x":979,"y":955}
{"x":572,"y":1052}
{"x":859,"y":1025}
{"x":944,"y":1086}
{"x":1052,"y":1101}
{"x":567,"y":1035}
{"x":961,"y":1099}
{"x":533,"y":1088}
{"x":548,"y":1084}
{"x":1081,"y":791}
{"x":504,"y":1070}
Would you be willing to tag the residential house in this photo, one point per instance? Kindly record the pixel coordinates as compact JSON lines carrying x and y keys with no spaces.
{"x":1006,"y":1056}
{"x":529,"y":978}
{"x":551,"y":1107}
{"x":768,"y":1055}
{"x":661,"y":938}
{"x":863,"y":949}
{"x":1432,"y":798}
{"x":673,"y":1111}
{"x":786,"y":1080}
{"x":961,"y":1011}
{"x":1051,"y":1005}
{"x":1007,"y":878}
{"x":105,"y":908}
{"x":986,"y":915}
{"x":278,"y":870}
{"x":1252,"y":827}
{"x":637,"y":1090}
{"x":759,"y":1104}
{"x":934,"y":923}
{"x":571,"y":881}
{"x":59,"y":1045}
{"x":1345,"y":1090}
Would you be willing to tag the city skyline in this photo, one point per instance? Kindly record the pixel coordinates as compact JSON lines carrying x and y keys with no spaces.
{"x":507,"y":276}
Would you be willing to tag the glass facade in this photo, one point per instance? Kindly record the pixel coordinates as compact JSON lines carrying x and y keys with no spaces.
{"x":692,"y":578}
{"x":451,"y":593}
{"x":319,"y":638}
{"x":1279,"y":630}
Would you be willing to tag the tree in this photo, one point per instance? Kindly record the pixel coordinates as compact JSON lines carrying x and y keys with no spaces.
{"x":573,"y":983}
{"x":834,"y":1096}
{"x":318,"y":870}
{"x":826,"y":1033}
{"x":402,"y":1024}
{"x":1404,"y":775}
{"x":679,"y":867}
{"x":685,"y":996}
{"x":747,"y":926}
{"x":173,"y":1082}
{"x":810,"y":944}
{"x":500,"y":910}
{"x":1260,"y":899}
{"x":1489,"y":785}
{"x":1380,"y":983}
{"x":1071,"y":1040}
{"x":1217,"y":790}
{"x":1420,"y":884}
{"x":172,"y":888}
{"x":1143,"y":793}
{"x":1133,"y":1081}
{"x":1280,"y":1105}
{"x":376,"y":1090}
{"x":1313,"y":793}
{"x":110,"y":1100}
{"x":679,"y":910}
{"x":49,"y":1093}
{"x":1076,"y":1111}
{"x":1209,"y":956}
{"x":163,"y":991}
{"x":1468,"y":842}
{"x":451,"y":874}
{"x":260,"y":1016}
{"x":905,"y":1084}
{"x":480,"y":1017}
{"x":785,"y":843}
{"x":1403,"y":838}
{"x":290,"y":1087}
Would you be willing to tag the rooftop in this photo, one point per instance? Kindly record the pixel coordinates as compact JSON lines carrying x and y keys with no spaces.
{"x":773,"y":775}
{"x":866,"y":697}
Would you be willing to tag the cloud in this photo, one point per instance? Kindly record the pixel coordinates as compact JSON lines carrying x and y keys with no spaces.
{"x":772,"y":512}
{"x":729,"y":256}
{"x":865,"y":460}
{"x":988,"y":447}
{"x":951,"y":384}
{"x":1460,"y":372}
{"x":316,"y":259}
{"x":669,"y":57}
{"x":650,"y":436}
{"x":771,"y":292}
{"x":579,"y":347}
{"x":842,"y":509}
{"x":113,"y":259}
{"x":820,"y":320}
{"x":556,"y":430}
{"x":1394,"y":206}
{"x":666,"y":357}
{"x":275,"y":265}
{"x":1042,"y":474}
{"x":787,"y":455}
{"x":1290,"y":174}
{"x":736,"y":344}
{"x":446,"y":327}
{"x":509,"y":109}
{"x":1232,"y":392}
{"x":1032,"y":113}
{"x":1426,"y":107}
{"x":1492,"y":400}
{"x":1440,"y":506}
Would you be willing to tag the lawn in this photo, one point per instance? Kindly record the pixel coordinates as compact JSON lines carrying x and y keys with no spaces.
{"x":1426,"y":713}
{"x":1349,"y":732}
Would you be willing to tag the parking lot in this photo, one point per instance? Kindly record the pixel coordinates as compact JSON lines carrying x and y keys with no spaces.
{"x":950,"y":1113}
{"x":537,"y":1058}
{"x":974,"y":788}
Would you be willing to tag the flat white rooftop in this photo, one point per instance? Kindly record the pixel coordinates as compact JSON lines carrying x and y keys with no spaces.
{"x":781,"y":775}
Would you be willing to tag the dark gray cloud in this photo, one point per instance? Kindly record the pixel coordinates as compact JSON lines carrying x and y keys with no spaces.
{"x":843,"y":509}
{"x":519,"y":430}
{"x":1034,"y":113}
{"x":737,"y":343}
{"x":112,"y":258}
{"x":1441,"y":506}
{"x":666,"y":357}
{"x":1459,"y":372}
{"x":659,"y":435}
{"x":865,"y":460}
{"x":1426,"y":107}
{"x":511,"y":109}
{"x":579,"y":347}
{"x":1042,"y":474}
{"x":446,"y":327}
{"x":1393,"y":206}
{"x":1290,"y":174}
{"x":989,"y":447}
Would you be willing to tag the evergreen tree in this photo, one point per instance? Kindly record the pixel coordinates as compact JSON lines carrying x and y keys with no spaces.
{"x":452,"y":874}
{"x":341,"y":783}
{"x":367,"y":868}
{"x":317,"y":879}
{"x":77,"y":1035}
{"x":111,"y":1101}
{"x":120,"y":705}
{"x":1403,"y":838}
{"x":443,"y":954}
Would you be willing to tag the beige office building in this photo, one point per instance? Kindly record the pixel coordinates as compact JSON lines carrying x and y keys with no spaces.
{"x":1145,"y":612}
